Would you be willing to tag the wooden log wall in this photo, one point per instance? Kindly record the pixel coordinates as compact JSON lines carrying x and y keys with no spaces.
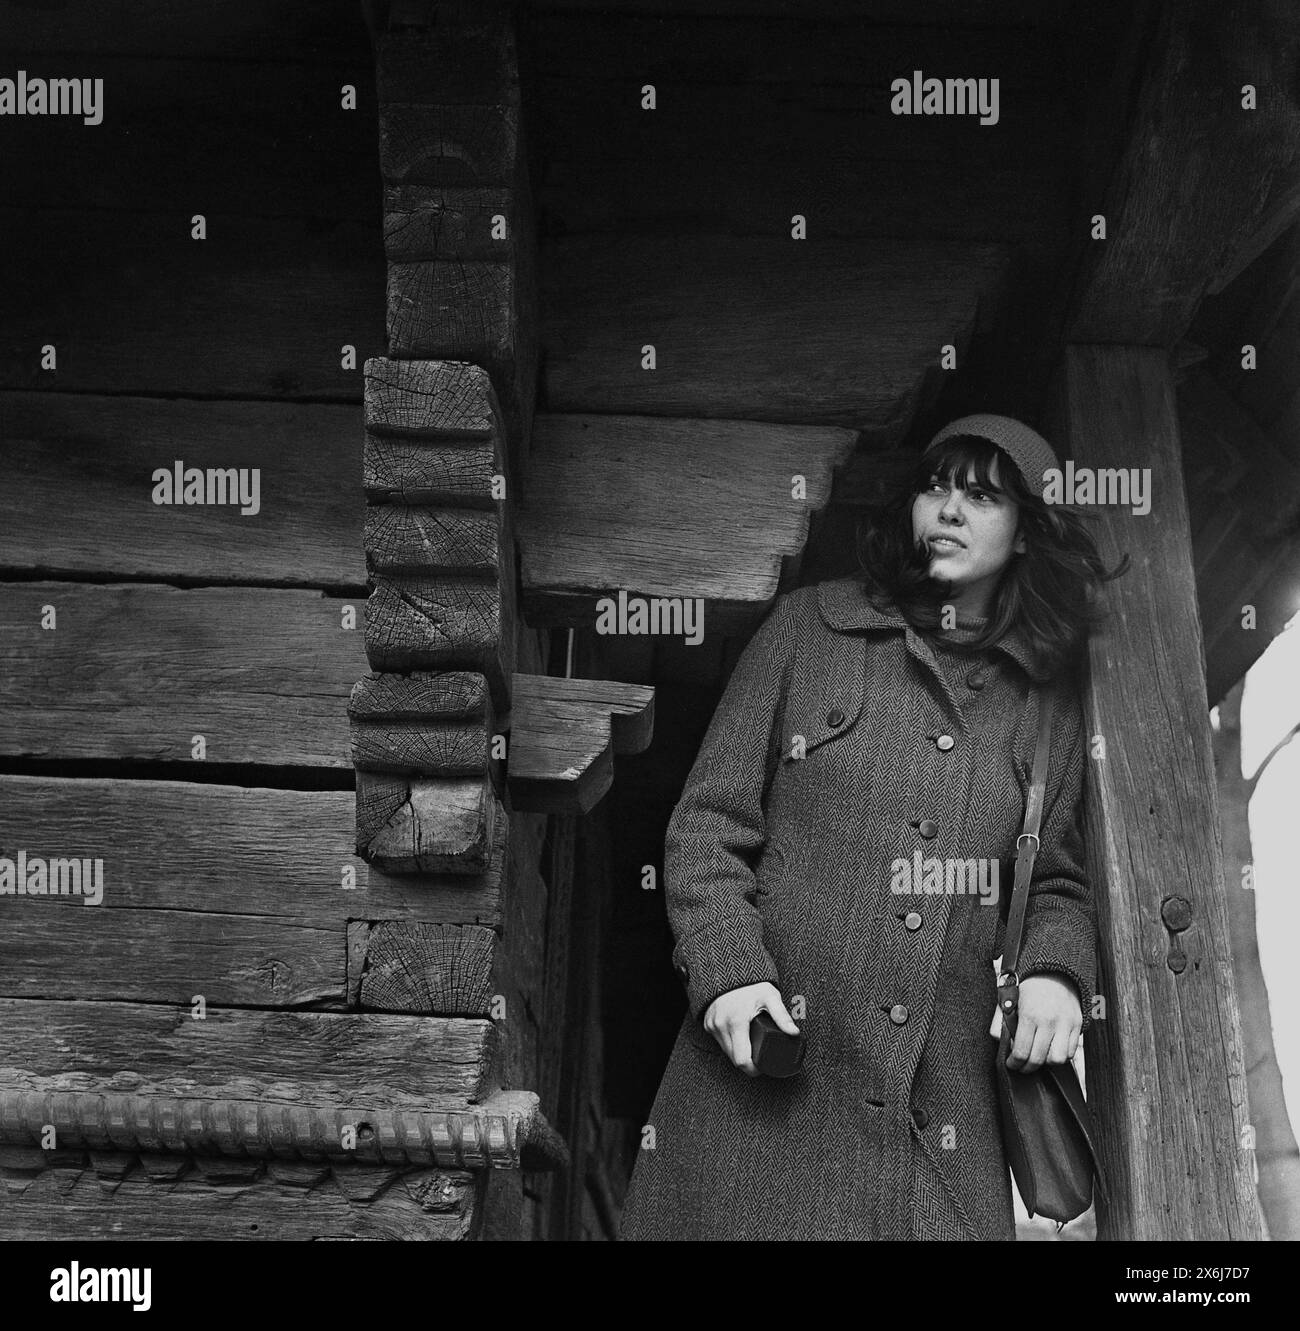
{"x":177,"y":675}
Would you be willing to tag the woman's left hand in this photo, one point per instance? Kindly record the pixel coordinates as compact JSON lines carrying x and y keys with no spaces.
{"x":1049,"y":1026}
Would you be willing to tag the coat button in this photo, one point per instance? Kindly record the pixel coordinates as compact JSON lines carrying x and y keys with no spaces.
{"x":898,"y":1014}
{"x":945,"y":742}
{"x":920,"y":1118}
{"x":835,"y":717}
{"x":928,"y":828}
{"x":912,"y":920}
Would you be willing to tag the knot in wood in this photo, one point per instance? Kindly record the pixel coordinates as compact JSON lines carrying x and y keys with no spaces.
{"x":1176,"y":913}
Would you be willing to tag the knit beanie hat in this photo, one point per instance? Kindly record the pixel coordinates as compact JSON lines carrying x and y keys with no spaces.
{"x":1025,"y":447}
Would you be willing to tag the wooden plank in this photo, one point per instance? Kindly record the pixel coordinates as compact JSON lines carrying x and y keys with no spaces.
{"x":758,"y":329}
{"x":932,"y":13}
{"x":631,"y":503}
{"x":267,"y":303}
{"x":229,"y":959}
{"x":432,"y":969}
{"x":105,"y":450}
{"x":253,"y":139}
{"x":240,"y":30}
{"x":426,"y":825}
{"x":194,"y":1209}
{"x":564,"y":734}
{"x":404,"y":1062}
{"x":807,"y":46}
{"x":268,"y":855}
{"x":1020,"y":202}
{"x":1191,"y":139}
{"x":262,"y":675}
{"x":788,"y":122}
{"x":1165,"y":1067}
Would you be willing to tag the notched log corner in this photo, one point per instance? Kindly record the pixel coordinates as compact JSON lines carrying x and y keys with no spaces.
{"x":425,"y":825}
{"x":424,"y":724}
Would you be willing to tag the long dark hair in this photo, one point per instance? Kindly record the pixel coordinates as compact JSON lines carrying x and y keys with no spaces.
{"x":1052,"y":591}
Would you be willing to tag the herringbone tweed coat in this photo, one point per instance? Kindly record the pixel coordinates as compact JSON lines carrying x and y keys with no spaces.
{"x":778,"y":867}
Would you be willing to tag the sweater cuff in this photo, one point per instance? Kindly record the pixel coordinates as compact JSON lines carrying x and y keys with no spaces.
{"x":719,"y":958}
{"x":1055,"y":950}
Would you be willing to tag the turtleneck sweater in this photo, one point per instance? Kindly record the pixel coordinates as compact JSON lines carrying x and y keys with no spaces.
{"x":960,"y":665}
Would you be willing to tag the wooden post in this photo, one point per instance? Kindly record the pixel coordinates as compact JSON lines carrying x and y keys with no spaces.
{"x":1165,"y":1069}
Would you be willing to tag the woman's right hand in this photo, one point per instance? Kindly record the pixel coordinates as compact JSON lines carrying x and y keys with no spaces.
{"x":728,"y":1016}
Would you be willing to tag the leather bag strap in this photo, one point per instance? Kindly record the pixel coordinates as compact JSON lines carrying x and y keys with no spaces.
{"x":1027,"y":841}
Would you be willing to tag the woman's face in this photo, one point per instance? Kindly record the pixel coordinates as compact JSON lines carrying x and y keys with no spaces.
{"x":971,"y":534}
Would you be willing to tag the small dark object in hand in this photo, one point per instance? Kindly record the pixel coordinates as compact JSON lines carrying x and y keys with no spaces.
{"x":775,"y":1053}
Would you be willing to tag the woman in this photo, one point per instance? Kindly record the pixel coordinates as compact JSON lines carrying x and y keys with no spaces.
{"x":869,"y":720}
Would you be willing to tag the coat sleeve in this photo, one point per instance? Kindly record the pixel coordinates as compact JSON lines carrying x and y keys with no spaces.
{"x":718,"y":827}
{"x":1060,"y":931}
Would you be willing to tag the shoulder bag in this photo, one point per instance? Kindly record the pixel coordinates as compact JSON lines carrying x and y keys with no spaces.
{"x":1047,"y":1130}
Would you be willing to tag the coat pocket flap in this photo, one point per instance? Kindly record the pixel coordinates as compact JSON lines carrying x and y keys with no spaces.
{"x":826,"y":697}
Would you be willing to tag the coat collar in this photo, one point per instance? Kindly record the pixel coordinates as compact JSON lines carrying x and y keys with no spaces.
{"x":846,"y":608}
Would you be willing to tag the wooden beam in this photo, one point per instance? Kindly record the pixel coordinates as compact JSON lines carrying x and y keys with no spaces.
{"x":205,"y":120}
{"x":1165,"y":1069}
{"x":331,"y":32}
{"x":563,"y":737}
{"x":104,"y":451}
{"x":929,"y":13}
{"x":261,"y":675}
{"x":760,"y":329}
{"x":421,"y":1204}
{"x":1205,"y":185}
{"x":102,"y":288}
{"x":426,"y":825}
{"x":1243,"y":492}
{"x":430,"y":540}
{"x":631,"y":503}
{"x":434,"y":969}
{"x":158,"y":1050}
{"x":421,"y":724}
{"x":278,"y":855}
{"x":426,"y":622}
